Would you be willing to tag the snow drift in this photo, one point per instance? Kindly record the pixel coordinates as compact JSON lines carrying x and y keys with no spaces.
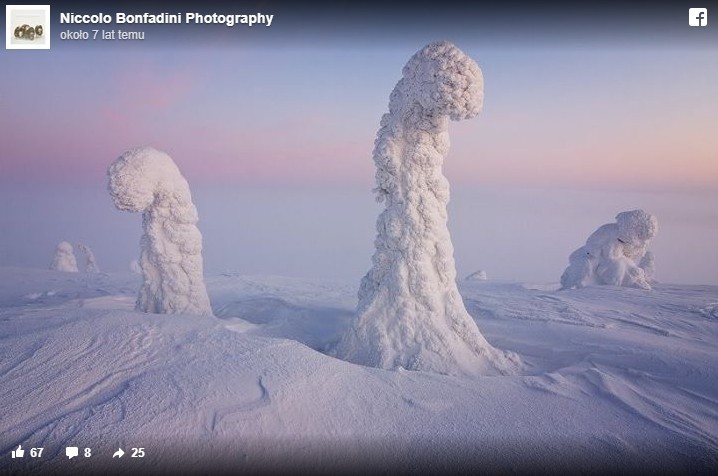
{"x":615,"y":254}
{"x":64,"y":259}
{"x":410,"y":314}
{"x":148,"y":181}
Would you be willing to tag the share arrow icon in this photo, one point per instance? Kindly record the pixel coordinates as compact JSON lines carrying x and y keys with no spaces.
{"x":118,"y":453}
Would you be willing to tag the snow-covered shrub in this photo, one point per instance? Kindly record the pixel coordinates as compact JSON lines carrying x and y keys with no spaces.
{"x":90,"y":261}
{"x":410,"y":314}
{"x":614,"y":254}
{"x":148,"y":181}
{"x":64,"y":259}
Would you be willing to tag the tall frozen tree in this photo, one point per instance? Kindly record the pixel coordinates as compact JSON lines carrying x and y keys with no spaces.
{"x":64,"y":258}
{"x":410,"y":313}
{"x":90,"y":261}
{"x":148,"y":181}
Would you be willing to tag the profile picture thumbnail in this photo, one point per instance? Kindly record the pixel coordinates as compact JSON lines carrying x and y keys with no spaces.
{"x":27,"y":27}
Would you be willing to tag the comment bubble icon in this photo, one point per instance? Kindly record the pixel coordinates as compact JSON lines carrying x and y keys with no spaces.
{"x":71,"y":451}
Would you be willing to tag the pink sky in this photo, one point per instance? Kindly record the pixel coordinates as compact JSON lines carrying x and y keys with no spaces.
{"x":276,"y":120}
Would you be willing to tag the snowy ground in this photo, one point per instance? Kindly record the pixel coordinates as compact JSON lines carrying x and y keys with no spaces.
{"x":616,"y":379}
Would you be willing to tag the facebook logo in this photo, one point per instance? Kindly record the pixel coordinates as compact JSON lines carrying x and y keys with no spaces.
{"x":698,"y":16}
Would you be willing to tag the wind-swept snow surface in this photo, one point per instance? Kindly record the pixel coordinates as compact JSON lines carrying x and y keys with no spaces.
{"x":90,"y":261}
{"x":410,"y":314}
{"x":64,"y":259}
{"x":148,"y":181}
{"x":615,"y":254}
{"x":616,"y":380}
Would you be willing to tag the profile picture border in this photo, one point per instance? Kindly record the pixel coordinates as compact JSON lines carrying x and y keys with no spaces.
{"x":9,"y":30}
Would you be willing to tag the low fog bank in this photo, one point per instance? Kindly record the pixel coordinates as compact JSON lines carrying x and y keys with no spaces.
{"x":513,"y":234}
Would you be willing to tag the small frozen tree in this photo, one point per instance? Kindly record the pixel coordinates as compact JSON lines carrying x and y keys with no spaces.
{"x":90,"y":261}
{"x":479,"y":275}
{"x":410,"y":314}
{"x":148,"y":181}
{"x":64,"y":259}
{"x":135,"y":267}
{"x":614,"y":254}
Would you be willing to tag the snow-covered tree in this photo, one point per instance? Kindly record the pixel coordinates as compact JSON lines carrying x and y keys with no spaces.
{"x":479,"y":275}
{"x":614,"y":254}
{"x":648,"y":265}
{"x":135,"y":267}
{"x":148,"y":181}
{"x":410,"y":313}
{"x":90,"y":261}
{"x":64,"y":259}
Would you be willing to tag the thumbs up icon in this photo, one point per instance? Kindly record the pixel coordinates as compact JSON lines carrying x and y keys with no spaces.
{"x":19,"y":452}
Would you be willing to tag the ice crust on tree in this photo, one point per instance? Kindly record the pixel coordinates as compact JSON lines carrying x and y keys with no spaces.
{"x":64,"y":259}
{"x":148,"y":181}
{"x":410,"y":314}
{"x":479,"y":275}
{"x":615,"y":254}
{"x":90,"y":261}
